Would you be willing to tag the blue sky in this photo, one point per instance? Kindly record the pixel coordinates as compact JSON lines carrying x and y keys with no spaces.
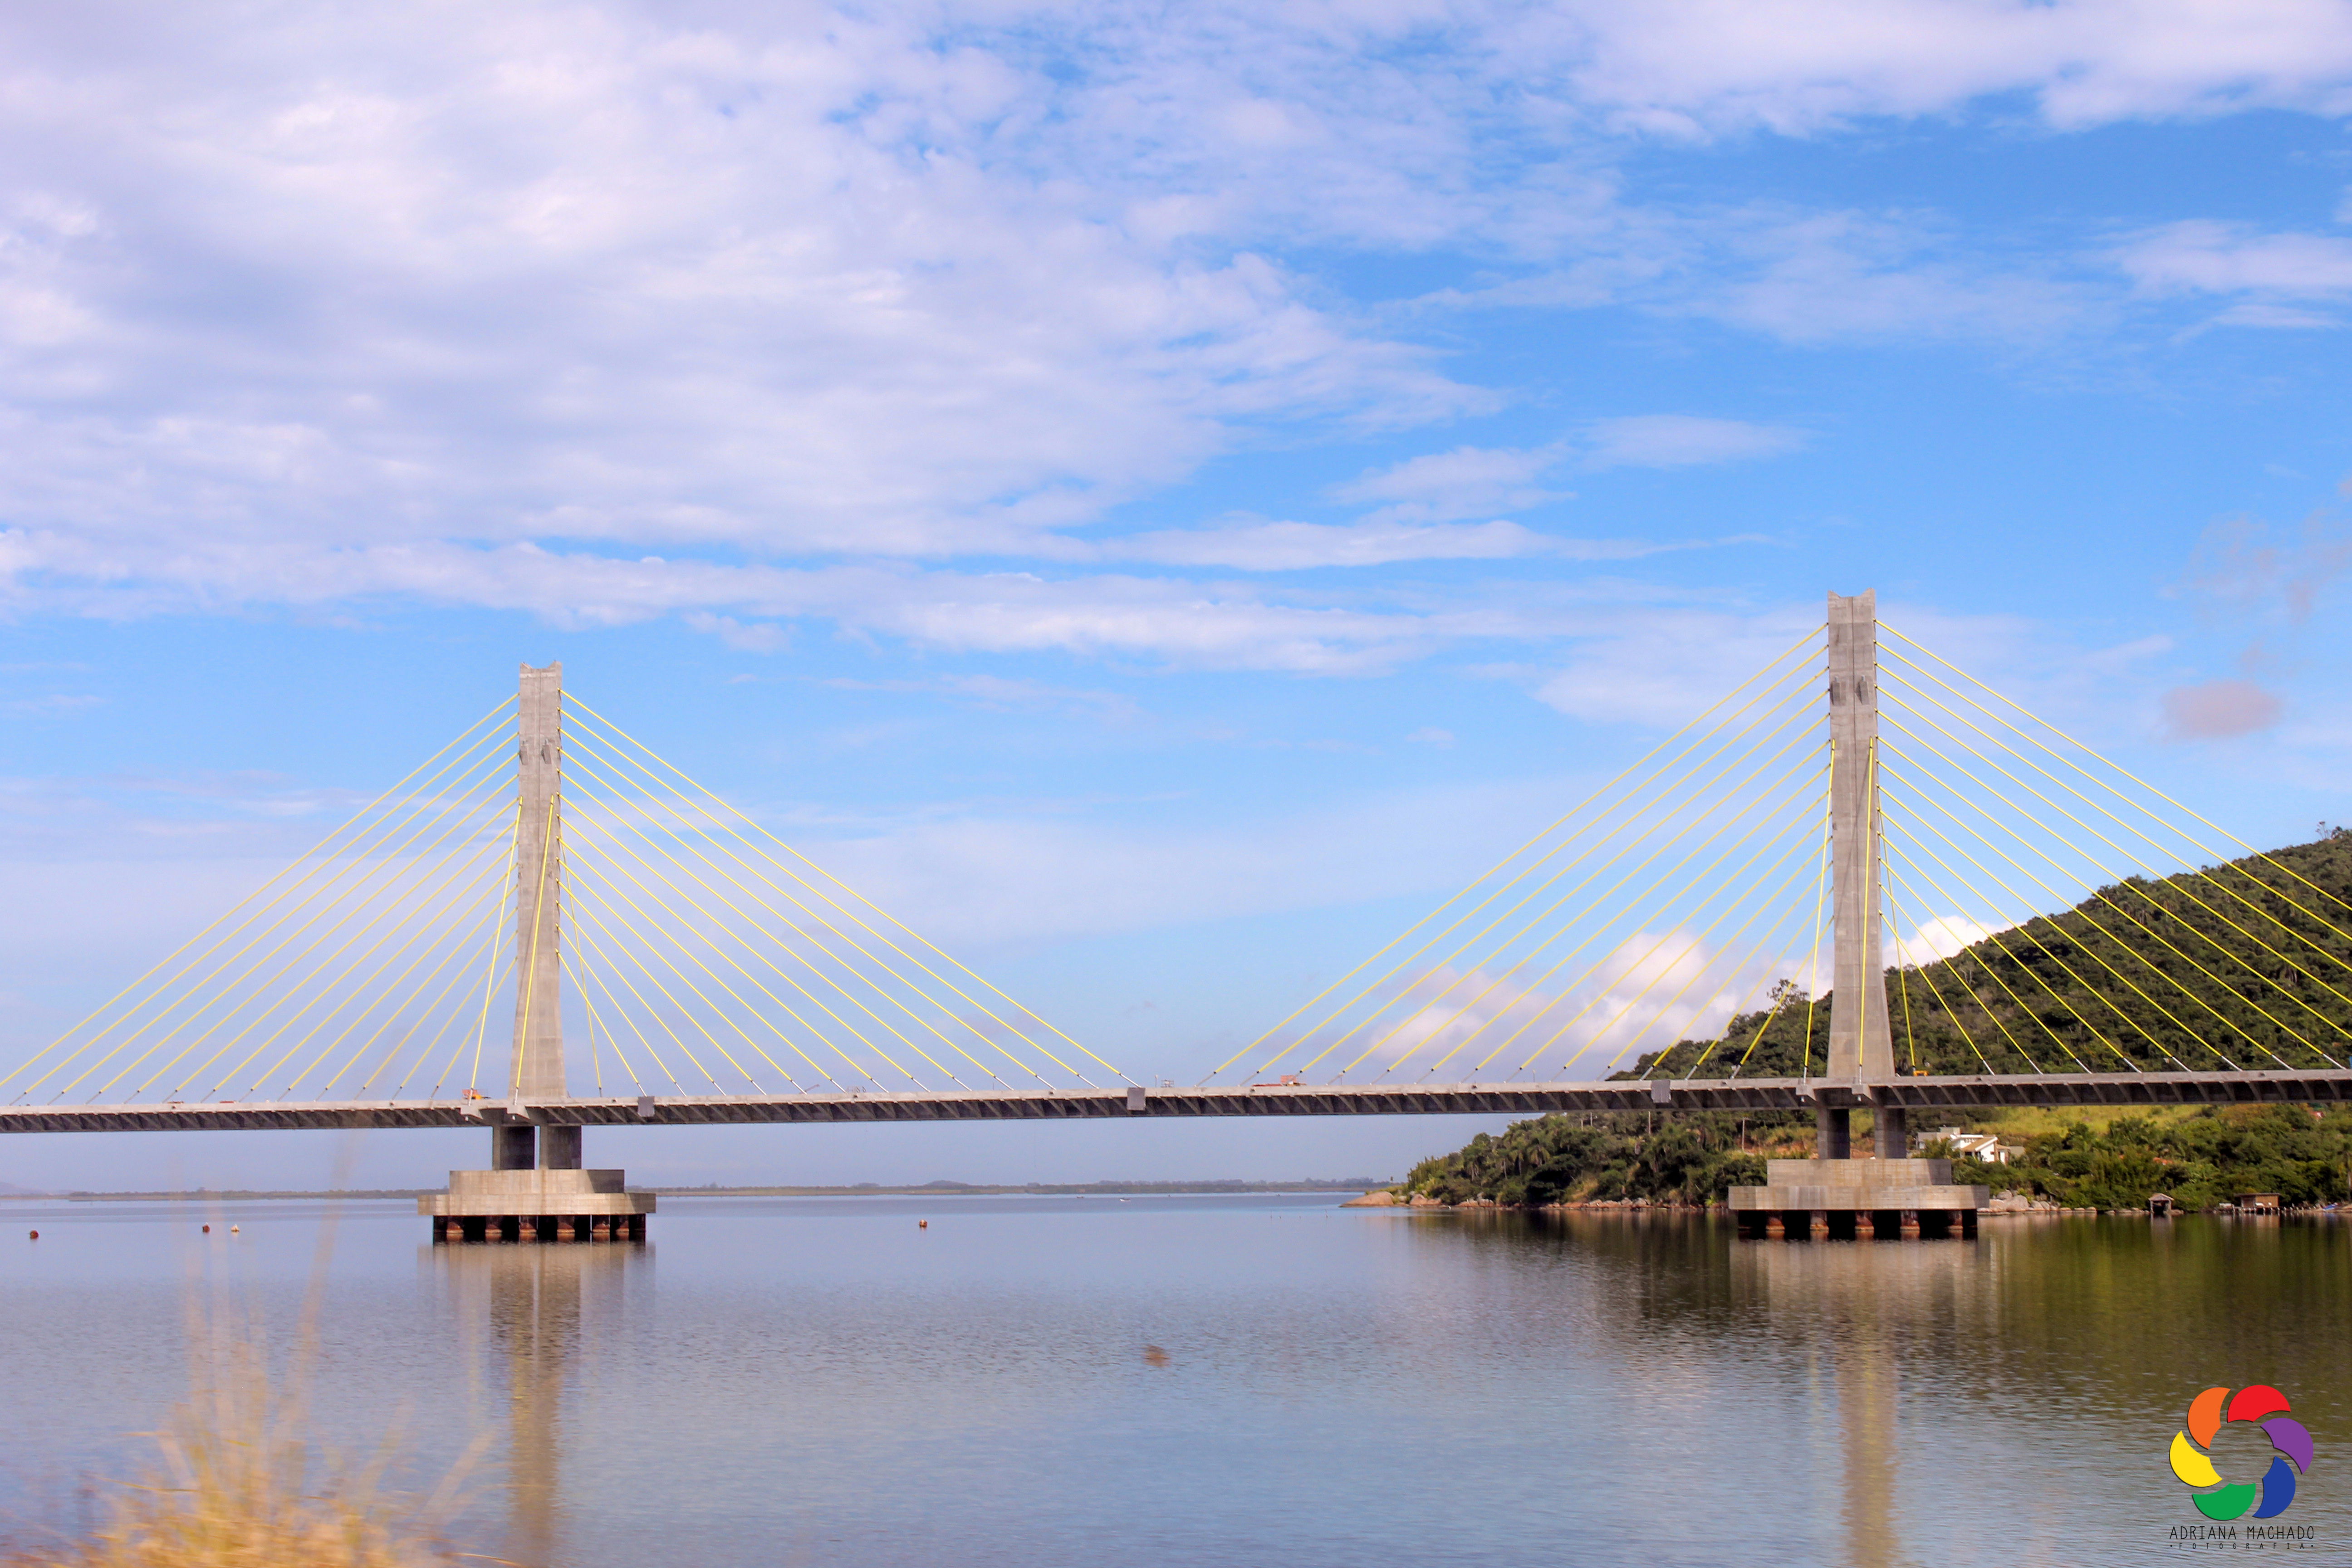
{"x":1156,"y":497}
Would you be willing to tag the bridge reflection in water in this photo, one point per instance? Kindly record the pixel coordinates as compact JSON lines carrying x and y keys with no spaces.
{"x":542,"y":1305}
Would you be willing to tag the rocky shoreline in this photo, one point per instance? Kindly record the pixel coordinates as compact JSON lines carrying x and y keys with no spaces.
{"x":2004,"y":1203}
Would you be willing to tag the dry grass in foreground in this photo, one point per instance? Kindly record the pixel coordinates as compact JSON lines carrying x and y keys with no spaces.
{"x":240,"y":1479}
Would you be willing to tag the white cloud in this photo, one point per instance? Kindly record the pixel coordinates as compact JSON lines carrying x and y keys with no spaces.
{"x":1292,"y":546}
{"x":2230,"y":259}
{"x":1939,"y":937}
{"x":1670,"y":666}
{"x":1697,"y":67}
{"x":1289,"y":546}
{"x":1463,"y":482}
{"x":1682,"y":440}
{"x":359,"y":302}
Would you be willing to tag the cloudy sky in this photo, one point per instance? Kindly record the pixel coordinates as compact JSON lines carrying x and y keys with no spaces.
{"x":1160,"y":495}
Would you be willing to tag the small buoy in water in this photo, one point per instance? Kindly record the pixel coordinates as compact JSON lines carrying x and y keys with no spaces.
{"x":922,"y":1224}
{"x":208,"y":1230}
{"x":36,"y":1236}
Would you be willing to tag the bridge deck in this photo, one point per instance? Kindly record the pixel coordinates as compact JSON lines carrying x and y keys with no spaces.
{"x":1264,"y":1099}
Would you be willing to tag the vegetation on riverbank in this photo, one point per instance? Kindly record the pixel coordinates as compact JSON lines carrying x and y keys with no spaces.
{"x":1583,"y":1157}
{"x":2201,"y":1157}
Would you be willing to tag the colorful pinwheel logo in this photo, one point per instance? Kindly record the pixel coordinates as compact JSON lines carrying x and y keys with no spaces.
{"x":2289,"y":1445}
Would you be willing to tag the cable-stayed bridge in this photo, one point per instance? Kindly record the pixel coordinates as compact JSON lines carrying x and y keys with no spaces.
{"x":1862,"y":878}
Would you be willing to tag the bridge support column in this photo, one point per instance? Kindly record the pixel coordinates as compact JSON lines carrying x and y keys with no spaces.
{"x":1832,"y":1132}
{"x":1892,"y":1132}
{"x":514,"y":1146}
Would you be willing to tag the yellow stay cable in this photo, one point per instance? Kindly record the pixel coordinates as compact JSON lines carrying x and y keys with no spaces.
{"x":657,"y":812}
{"x":878,"y":908}
{"x":2182,"y":881}
{"x":1901,"y":968}
{"x":2184,"y":889}
{"x":1927,"y":971}
{"x":1821,"y":896}
{"x":369,"y":842}
{"x":1960,"y":911}
{"x":1698,"y":808}
{"x":1828,"y":786}
{"x":384,"y":896}
{"x":1591,"y":830}
{"x":2097,"y":957}
{"x":387,"y":901}
{"x":1768,"y":974}
{"x":490,"y":973}
{"x":1813,"y":980}
{"x":829,"y":927}
{"x":1761,"y":806}
{"x":2028,"y":968}
{"x":1765,"y":976}
{"x":1625,"y":778}
{"x":623,"y":899}
{"x":452,"y":960}
{"x":2127,"y":773}
{"x":595,"y":908}
{"x":565,"y":962}
{"x":1636,"y":905}
{"x":420,"y":937}
{"x":654,"y":899}
{"x":621,"y":825}
{"x":1790,"y":858}
{"x":621,"y":1012}
{"x":2125,"y":948}
{"x":2128,"y":951}
{"x":595,"y":942}
{"x":575,"y":965}
{"x":309,"y":855}
{"x":1708,"y":878}
{"x":196,"y":1009}
{"x":2023,"y":928}
{"x":548,"y":852}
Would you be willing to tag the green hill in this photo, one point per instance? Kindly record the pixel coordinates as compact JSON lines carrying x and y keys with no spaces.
{"x":2245,"y":965}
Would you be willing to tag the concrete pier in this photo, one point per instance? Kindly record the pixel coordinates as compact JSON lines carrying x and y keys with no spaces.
{"x":1844,"y":1196}
{"x":537,"y":1206}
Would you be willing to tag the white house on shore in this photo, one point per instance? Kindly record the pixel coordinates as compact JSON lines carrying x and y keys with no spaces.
{"x":1985,"y":1146}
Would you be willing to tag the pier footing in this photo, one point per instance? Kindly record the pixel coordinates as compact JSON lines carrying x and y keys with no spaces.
{"x":537,"y":1206}
{"x":1883,"y":1200}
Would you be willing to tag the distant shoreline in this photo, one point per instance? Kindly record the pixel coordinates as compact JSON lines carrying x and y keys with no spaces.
{"x":862,"y":1190}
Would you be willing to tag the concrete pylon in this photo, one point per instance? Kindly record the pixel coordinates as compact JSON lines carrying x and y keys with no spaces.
{"x":1861,"y":1046}
{"x":537,"y":1071}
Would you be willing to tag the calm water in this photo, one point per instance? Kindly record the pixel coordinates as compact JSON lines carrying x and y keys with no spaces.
{"x":782,"y":1380}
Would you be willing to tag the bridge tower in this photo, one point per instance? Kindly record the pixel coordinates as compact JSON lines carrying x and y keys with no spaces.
{"x":1892,"y":1194}
{"x":1861,"y":1043}
{"x":536,"y":1069}
{"x":536,"y":1188}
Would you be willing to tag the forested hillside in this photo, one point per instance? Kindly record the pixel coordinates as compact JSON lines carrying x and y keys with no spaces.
{"x":2246,"y":964}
